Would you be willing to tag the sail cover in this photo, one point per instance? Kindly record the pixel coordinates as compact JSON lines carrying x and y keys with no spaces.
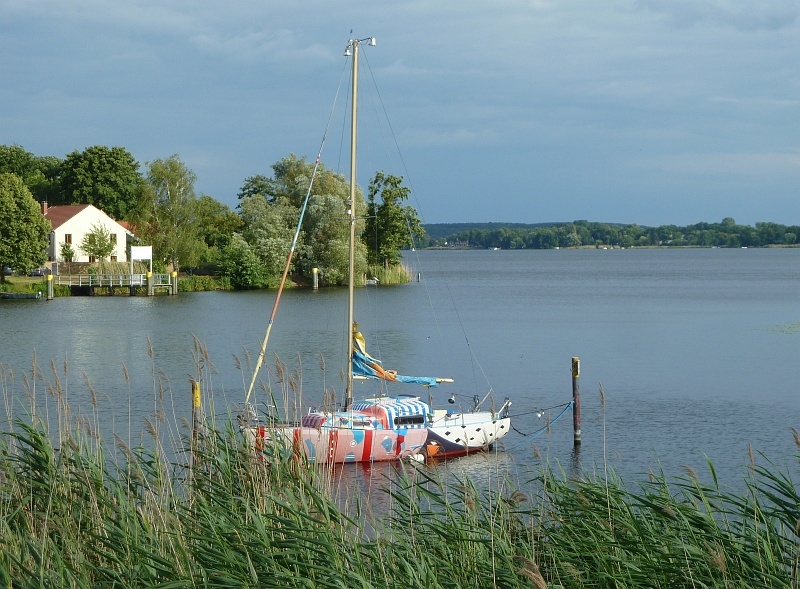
{"x":366,"y":366}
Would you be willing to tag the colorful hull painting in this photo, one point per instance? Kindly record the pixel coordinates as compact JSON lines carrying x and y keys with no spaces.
{"x":453,"y":434}
{"x":375,"y":430}
{"x":339,"y":446}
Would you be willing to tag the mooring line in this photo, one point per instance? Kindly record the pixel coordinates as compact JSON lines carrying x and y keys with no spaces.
{"x":537,"y":433}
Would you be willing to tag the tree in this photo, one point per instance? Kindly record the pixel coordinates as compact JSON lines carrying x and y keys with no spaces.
{"x":23,"y":229}
{"x":268,"y":230}
{"x":328,"y":244}
{"x":67,"y":255}
{"x":390,"y":226}
{"x":97,"y":242}
{"x":216,"y":222}
{"x":40,"y":174}
{"x":258,"y":185}
{"x":166,"y":216}
{"x":107,"y":178}
{"x":270,"y":210}
{"x":240,"y":264}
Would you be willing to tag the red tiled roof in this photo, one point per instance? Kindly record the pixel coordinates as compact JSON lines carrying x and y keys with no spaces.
{"x":60,"y":214}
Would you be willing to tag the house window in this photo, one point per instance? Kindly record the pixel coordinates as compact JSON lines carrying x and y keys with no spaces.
{"x":68,"y":238}
{"x":113,"y":258}
{"x":91,"y":259}
{"x":114,"y":238}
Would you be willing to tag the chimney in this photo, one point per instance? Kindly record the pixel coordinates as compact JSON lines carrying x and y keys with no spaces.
{"x":44,"y":207}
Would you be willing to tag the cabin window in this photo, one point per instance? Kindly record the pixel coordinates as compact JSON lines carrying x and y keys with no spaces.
{"x":409,"y":420}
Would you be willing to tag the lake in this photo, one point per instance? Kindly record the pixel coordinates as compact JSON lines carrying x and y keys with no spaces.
{"x":696,"y":351}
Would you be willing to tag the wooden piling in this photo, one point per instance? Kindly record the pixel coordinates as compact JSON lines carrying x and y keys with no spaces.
{"x":174,"y":282}
{"x":196,"y":408}
{"x":315,"y":277}
{"x":576,"y":401}
{"x":150,"y":288}
{"x":50,"y":287}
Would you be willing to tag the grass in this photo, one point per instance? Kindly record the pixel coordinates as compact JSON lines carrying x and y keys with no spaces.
{"x":24,"y":284}
{"x":78,"y":511}
{"x":398,"y":274}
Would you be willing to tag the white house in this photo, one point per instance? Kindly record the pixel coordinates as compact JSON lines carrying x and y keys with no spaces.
{"x":72,"y":222}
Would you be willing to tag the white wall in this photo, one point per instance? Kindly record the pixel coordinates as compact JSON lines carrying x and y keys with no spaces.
{"x":78,"y":226}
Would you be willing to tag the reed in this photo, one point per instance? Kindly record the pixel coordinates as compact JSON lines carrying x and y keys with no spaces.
{"x":78,"y":512}
{"x":397,"y":274}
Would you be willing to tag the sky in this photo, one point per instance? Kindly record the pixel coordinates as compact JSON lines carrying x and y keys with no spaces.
{"x":622,"y":111}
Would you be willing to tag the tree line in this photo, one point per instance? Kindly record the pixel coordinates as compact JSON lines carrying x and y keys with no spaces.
{"x":249,"y":245}
{"x":582,"y":233}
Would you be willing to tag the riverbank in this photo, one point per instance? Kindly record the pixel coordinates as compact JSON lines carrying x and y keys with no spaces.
{"x":198,"y":283}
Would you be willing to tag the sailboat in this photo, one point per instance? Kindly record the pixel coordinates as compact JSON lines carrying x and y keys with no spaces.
{"x":383,"y":427}
{"x":451,"y":433}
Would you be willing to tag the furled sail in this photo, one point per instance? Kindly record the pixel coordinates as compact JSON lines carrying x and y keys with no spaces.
{"x":366,"y":366}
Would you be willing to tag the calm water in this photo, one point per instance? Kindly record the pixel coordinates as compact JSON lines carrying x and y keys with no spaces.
{"x":696,"y":350}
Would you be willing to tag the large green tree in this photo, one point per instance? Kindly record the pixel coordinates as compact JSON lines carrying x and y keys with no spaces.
{"x":40,"y":174}
{"x":216,"y":222}
{"x":268,"y":229}
{"x":270,"y":209}
{"x":390,"y":225}
{"x":106,"y":177}
{"x":328,"y":236}
{"x":23,"y":229}
{"x":166,"y":216}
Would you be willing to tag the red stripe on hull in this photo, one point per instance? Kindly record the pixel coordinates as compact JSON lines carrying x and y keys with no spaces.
{"x":367,"y":454}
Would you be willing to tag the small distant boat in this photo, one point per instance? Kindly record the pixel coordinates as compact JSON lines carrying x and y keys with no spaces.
{"x":21,"y":295}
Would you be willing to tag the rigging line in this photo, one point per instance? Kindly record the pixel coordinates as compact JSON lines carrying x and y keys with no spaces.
{"x":378,"y":119}
{"x":263,"y":350}
{"x":541,"y":430}
{"x":445,"y":351}
{"x":473,"y":357}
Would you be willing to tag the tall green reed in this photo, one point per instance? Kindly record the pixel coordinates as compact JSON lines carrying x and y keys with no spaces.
{"x":78,"y":511}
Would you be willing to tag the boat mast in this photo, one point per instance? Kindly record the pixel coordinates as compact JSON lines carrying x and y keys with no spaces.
{"x":351,"y":212}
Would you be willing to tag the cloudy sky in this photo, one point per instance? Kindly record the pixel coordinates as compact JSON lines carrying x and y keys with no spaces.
{"x":630,"y":111}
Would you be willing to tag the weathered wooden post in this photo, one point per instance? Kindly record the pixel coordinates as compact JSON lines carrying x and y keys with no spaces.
{"x":174,"y":282}
{"x":196,"y":407}
{"x":576,"y":401}
{"x":315,"y":277}
{"x":49,"y":287}
{"x":149,"y":283}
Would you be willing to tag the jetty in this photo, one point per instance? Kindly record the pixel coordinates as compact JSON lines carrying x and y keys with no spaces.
{"x":109,"y":284}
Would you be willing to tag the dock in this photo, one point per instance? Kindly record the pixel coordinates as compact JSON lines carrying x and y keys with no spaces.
{"x":110,"y":284}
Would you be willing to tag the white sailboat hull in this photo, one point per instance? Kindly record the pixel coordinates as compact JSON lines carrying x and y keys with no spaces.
{"x":453,"y":434}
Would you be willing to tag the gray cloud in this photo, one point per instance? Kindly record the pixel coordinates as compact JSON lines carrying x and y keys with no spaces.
{"x":743,"y":15}
{"x":588,"y":109}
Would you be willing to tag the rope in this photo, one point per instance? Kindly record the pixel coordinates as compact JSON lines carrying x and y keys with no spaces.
{"x":263,"y":350}
{"x":539,"y":432}
{"x":543,"y":410}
